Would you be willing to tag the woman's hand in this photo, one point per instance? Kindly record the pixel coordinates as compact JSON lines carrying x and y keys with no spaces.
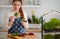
{"x":24,"y":24}
{"x":12,"y":18}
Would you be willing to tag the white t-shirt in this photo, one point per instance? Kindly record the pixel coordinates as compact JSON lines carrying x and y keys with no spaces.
{"x":8,"y":15}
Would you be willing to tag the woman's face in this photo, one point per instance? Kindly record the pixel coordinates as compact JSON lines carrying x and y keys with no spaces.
{"x":16,"y":5}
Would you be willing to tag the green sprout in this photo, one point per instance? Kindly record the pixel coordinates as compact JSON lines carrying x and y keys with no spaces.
{"x":16,"y":14}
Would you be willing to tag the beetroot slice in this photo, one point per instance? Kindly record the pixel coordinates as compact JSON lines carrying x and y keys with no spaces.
{"x":31,"y":34}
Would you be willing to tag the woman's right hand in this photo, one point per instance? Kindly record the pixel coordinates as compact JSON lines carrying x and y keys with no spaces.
{"x":12,"y":18}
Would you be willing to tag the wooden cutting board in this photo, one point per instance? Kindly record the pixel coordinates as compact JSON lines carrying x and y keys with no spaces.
{"x":20,"y":37}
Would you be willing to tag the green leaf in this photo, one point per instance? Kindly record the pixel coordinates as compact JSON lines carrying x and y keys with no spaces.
{"x":16,"y":14}
{"x":53,"y":23}
{"x":15,"y":34}
{"x":35,"y":19}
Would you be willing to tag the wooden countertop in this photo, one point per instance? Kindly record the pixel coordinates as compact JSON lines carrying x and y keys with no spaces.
{"x":3,"y":35}
{"x":37,"y":32}
{"x":32,"y":30}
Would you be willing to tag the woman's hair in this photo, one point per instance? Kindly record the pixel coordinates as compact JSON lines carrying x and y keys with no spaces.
{"x":20,"y":10}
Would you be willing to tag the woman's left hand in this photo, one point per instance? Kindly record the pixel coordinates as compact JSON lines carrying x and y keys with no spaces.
{"x":24,"y":24}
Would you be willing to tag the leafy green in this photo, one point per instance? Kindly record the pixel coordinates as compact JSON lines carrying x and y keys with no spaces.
{"x":15,"y":34}
{"x":53,"y":23}
{"x":35,"y":19}
{"x":16,"y":14}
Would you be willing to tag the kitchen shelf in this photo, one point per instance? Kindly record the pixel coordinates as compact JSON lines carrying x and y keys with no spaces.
{"x":22,"y":6}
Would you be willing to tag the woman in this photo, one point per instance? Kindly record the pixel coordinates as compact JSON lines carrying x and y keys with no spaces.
{"x":17,"y":7}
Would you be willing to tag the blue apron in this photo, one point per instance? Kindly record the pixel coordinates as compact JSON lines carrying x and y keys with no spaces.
{"x":16,"y":27}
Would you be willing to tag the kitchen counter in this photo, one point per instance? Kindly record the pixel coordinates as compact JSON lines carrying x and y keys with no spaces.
{"x":30,"y":29}
{"x":3,"y":35}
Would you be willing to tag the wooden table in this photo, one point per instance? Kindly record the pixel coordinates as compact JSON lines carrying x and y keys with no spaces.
{"x":3,"y":36}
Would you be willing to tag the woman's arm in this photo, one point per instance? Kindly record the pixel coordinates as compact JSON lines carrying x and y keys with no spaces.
{"x":25,"y":24}
{"x":8,"y":23}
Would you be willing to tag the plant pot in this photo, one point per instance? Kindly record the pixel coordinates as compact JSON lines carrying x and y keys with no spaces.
{"x":34,"y":26}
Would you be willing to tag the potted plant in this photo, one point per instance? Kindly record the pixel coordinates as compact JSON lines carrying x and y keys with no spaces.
{"x":34,"y":22}
{"x":34,"y":19}
{"x":57,"y":25}
{"x":53,"y":24}
{"x":48,"y":27}
{"x":48,"y":36}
